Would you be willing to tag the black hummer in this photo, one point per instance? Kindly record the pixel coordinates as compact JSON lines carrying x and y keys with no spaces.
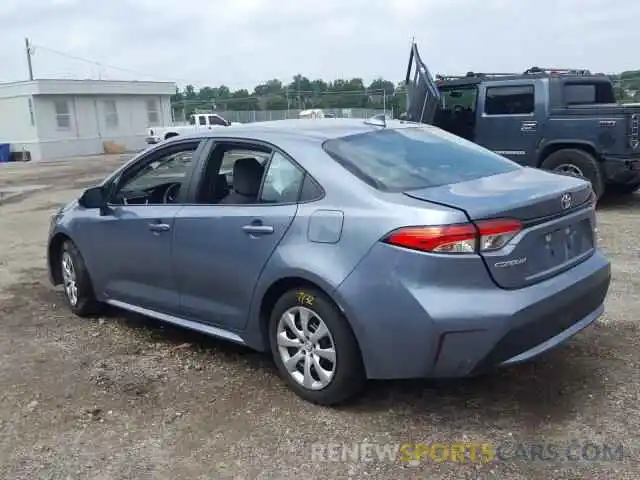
{"x":557,"y":119}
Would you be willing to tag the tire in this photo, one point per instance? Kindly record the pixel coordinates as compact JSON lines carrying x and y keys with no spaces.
{"x":583,"y":163}
{"x":348,"y":375}
{"x":170,"y":135}
{"x":618,"y":189}
{"x":83,"y":303}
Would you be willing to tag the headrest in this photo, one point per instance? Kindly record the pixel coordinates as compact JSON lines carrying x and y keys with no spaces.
{"x":247,"y":175}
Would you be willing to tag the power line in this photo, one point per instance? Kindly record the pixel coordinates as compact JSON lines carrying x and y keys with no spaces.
{"x":104,"y":65}
{"x":32,"y":48}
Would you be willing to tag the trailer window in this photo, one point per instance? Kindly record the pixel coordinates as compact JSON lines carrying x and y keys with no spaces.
{"x":412,"y":158}
{"x":588,"y":93}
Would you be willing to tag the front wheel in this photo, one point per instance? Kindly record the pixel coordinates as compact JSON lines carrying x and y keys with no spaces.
{"x":314,"y":348}
{"x":579,"y":163}
{"x":78,"y":289}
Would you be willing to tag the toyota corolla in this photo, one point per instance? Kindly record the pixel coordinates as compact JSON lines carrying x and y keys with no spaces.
{"x":348,"y":249}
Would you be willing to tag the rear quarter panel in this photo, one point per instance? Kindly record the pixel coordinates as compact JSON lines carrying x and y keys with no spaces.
{"x":604,"y":133}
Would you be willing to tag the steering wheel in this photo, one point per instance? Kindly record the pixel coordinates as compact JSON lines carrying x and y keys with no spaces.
{"x":171,"y":193}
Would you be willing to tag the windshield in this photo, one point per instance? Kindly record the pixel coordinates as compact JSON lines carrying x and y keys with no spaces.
{"x":412,"y":158}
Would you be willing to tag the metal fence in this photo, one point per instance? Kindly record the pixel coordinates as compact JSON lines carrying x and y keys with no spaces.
{"x":249,"y":116}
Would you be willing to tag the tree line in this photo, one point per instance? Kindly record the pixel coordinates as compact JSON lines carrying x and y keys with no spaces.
{"x":302,"y":93}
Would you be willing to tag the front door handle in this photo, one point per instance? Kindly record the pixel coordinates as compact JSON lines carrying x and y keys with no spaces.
{"x":159,"y":227}
{"x":258,"y":229}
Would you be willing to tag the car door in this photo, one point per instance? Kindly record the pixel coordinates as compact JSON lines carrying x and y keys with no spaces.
{"x":508,"y":122}
{"x":220,"y":249}
{"x":423,"y":96}
{"x":132,"y":238}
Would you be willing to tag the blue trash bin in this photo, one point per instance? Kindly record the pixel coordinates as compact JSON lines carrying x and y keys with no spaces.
{"x":5,"y":152}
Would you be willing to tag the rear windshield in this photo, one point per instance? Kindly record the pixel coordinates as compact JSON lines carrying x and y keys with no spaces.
{"x":412,"y":158}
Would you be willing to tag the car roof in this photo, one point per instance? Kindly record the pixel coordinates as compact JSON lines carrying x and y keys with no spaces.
{"x":303,"y":130}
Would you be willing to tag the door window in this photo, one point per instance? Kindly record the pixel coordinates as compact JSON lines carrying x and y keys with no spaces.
{"x":202,"y":120}
{"x":216,"y":120}
{"x":158,"y":181}
{"x":510,"y":100}
{"x":266,"y":178}
{"x":282,"y":181}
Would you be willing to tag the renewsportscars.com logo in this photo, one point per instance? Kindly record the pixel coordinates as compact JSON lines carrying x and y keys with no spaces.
{"x":467,"y":452}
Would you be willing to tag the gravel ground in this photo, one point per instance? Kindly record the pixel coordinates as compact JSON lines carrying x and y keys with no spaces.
{"x":124,"y":397}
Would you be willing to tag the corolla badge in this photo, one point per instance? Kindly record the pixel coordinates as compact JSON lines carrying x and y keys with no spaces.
{"x":565,"y":201}
{"x":510,"y":263}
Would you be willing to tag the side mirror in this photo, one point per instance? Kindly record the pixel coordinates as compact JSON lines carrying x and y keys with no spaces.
{"x":93,"y":197}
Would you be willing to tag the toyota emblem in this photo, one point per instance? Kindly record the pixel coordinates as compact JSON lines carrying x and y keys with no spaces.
{"x":565,"y":201}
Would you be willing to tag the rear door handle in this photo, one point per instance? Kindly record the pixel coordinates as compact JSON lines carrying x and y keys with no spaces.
{"x":258,"y":229}
{"x":159,"y":227}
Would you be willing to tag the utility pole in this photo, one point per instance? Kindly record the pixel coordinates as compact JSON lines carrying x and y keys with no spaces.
{"x":27,"y":45}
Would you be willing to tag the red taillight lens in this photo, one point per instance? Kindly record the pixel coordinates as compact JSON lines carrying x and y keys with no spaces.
{"x":486,"y":236}
{"x":442,"y":239}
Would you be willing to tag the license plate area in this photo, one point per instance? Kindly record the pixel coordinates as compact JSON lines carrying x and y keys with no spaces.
{"x":562,"y":244}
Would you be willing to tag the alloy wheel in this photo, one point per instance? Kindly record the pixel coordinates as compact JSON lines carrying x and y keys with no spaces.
{"x":69,"y":279}
{"x":570,"y":169}
{"x":306,"y":348}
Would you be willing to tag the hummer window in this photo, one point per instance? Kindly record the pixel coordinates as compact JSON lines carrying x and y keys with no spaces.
{"x":582,"y":93}
{"x":516,"y":100}
{"x":458,"y":111}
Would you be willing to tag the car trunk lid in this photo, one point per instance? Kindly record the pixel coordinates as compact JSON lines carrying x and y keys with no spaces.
{"x":557,"y":227}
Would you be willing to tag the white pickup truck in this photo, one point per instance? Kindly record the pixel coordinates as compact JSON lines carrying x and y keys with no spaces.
{"x":197,"y":122}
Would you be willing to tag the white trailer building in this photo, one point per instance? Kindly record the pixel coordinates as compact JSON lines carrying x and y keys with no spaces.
{"x":60,"y":118}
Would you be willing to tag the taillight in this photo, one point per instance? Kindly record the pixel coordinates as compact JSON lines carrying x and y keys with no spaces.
{"x":495,"y":234}
{"x":484,"y":236}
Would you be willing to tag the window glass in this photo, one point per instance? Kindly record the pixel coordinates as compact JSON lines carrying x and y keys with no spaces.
{"x":150,"y":182}
{"x":63,"y":114}
{"x":217,"y":183}
{"x":415,"y":157}
{"x":202,"y":120}
{"x":459,"y":98}
{"x":216,"y":120}
{"x":588,"y":93}
{"x":153,"y":114}
{"x":111,"y":113}
{"x":282,"y":181}
{"x":516,"y":100}
{"x":310,"y":190}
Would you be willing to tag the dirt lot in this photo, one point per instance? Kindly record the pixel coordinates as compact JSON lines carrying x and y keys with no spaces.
{"x":123,"y":397}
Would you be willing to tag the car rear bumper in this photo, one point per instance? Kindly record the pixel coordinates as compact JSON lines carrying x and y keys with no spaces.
{"x":445,"y":331}
{"x":621,"y":170}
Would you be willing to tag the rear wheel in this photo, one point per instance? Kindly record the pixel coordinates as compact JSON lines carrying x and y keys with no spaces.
{"x":78,"y":289}
{"x":572,"y":161}
{"x":314,"y":348}
{"x":170,"y":135}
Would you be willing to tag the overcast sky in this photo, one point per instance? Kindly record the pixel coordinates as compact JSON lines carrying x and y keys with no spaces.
{"x":240,"y":43}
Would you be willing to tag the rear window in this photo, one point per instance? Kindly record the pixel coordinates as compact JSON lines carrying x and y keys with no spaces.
{"x":412,"y":158}
{"x":588,"y":93}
